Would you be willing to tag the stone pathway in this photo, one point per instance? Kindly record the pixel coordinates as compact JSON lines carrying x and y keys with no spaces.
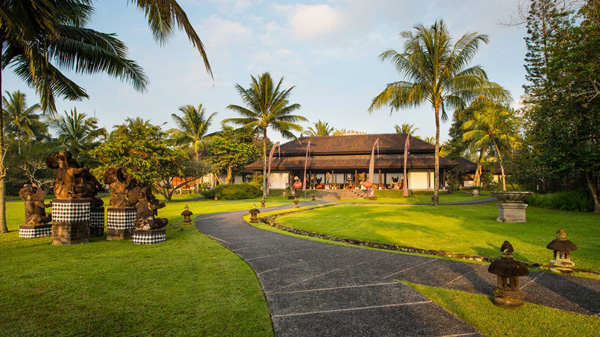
{"x":321,"y":289}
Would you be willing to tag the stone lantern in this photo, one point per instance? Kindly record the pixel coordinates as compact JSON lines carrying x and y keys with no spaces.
{"x":186,"y":216}
{"x":475,"y":192}
{"x":262,"y":203}
{"x":562,"y":253}
{"x":254,"y":214}
{"x":313,"y":198}
{"x":295,"y":202}
{"x":507,"y":294}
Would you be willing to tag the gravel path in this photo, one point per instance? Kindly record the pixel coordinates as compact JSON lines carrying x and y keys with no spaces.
{"x":320,"y":289}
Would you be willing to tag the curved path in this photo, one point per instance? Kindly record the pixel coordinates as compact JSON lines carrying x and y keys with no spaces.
{"x":320,"y":289}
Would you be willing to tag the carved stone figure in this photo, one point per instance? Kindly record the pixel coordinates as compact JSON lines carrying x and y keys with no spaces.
{"x":147,"y":207}
{"x":35,"y":209}
{"x":125,"y":188}
{"x":73,"y":181}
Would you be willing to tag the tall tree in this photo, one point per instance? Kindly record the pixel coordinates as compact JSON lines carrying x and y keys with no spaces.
{"x":563,"y":113}
{"x":192,"y":128}
{"x":493,"y":125}
{"x":23,"y":121}
{"x":268,"y":106}
{"x":77,"y":132}
{"x":230,"y":150}
{"x":143,"y":149}
{"x":436,"y":72}
{"x":34,"y":34}
{"x":319,"y":129}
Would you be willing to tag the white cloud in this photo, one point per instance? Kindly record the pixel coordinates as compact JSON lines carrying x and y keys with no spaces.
{"x":222,"y":32}
{"x":311,"y":21}
{"x":235,"y":6}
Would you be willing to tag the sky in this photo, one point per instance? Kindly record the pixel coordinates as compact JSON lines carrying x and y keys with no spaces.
{"x":328,"y":50}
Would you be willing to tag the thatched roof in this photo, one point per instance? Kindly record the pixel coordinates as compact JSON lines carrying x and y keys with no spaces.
{"x":354,"y":144}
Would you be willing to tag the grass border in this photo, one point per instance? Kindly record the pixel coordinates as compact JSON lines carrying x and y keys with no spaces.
{"x":270,"y":221}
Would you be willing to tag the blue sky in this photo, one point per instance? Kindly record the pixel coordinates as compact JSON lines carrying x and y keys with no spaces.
{"x":327,"y":49}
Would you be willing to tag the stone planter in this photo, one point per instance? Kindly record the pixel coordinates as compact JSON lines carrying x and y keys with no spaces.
{"x":512,"y":207}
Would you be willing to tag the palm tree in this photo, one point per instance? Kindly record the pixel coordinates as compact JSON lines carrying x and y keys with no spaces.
{"x":429,"y":140}
{"x":267,"y":106}
{"x":23,"y":121}
{"x":193,"y":127}
{"x":33,"y":33}
{"x":436,"y":72}
{"x":339,"y":132}
{"x":494,"y":125}
{"x":76,"y":131}
{"x":137,"y":122}
{"x":406,"y":128}
{"x":320,"y":129}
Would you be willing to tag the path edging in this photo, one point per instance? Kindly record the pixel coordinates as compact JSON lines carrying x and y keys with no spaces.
{"x":270,"y":221}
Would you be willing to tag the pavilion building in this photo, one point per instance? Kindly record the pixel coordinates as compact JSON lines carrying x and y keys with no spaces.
{"x":342,"y":162}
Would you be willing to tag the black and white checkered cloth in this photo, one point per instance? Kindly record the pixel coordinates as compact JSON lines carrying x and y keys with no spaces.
{"x":72,"y":211}
{"x":149,"y":237}
{"x":120,"y":218}
{"x":97,"y":217}
{"x":38,"y":232}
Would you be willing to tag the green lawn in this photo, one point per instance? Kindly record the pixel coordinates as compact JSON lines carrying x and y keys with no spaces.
{"x":188,"y":285}
{"x":470,"y":229}
{"x":396,"y":197}
{"x":532,"y":320}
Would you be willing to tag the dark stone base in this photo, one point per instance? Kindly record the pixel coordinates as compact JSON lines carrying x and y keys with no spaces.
{"x":149,"y":237}
{"x":118,"y":234}
{"x":97,"y":221}
{"x":70,"y":233}
{"x":30,"y":232}
{"x":119,"y":223}
{"x":512,"y":212}
{"x":508,"y":303}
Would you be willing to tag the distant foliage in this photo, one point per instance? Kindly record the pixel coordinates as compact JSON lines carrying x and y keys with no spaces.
{"x":564,"y":201}
{"x":234,"y":191}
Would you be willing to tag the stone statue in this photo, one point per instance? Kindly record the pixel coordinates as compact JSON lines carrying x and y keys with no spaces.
{"x":73,"y":180}
{"x":35,"y":209}
{"x":125,"y":188}
{"x":147,"y":207}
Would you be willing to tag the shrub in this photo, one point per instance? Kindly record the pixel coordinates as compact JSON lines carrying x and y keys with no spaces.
{"x":564,"y":201}
{"x":234,"y":191}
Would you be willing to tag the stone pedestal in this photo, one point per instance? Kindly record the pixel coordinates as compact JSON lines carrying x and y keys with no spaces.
{"x":30,"y":232}
{"x":97,"y":221}
{"x":119,"y":223}
{"x":70,"y":221}
{"x":512,"y":212}
{"x":149,"y":237}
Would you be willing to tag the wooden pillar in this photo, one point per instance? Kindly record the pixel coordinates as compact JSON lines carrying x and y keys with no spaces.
{"x":355,"y":178}
{"x":379,"y":178}
{"x":428,"y":179}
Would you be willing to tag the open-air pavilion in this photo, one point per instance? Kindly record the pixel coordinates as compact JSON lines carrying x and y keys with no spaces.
{"x":342,"y":162}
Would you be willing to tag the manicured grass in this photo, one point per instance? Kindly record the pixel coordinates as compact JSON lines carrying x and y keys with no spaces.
{"x":532,"y":320}
{"x":188,"y":285}
{"x":467,"y":229}
{"x":420,"y":198}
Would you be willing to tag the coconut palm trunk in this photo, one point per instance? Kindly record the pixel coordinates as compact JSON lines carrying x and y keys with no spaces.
{"x":501,"y":165}
{"x":3,"y":226}
{"x":265,"y":163}
{"x":436,"y":174}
